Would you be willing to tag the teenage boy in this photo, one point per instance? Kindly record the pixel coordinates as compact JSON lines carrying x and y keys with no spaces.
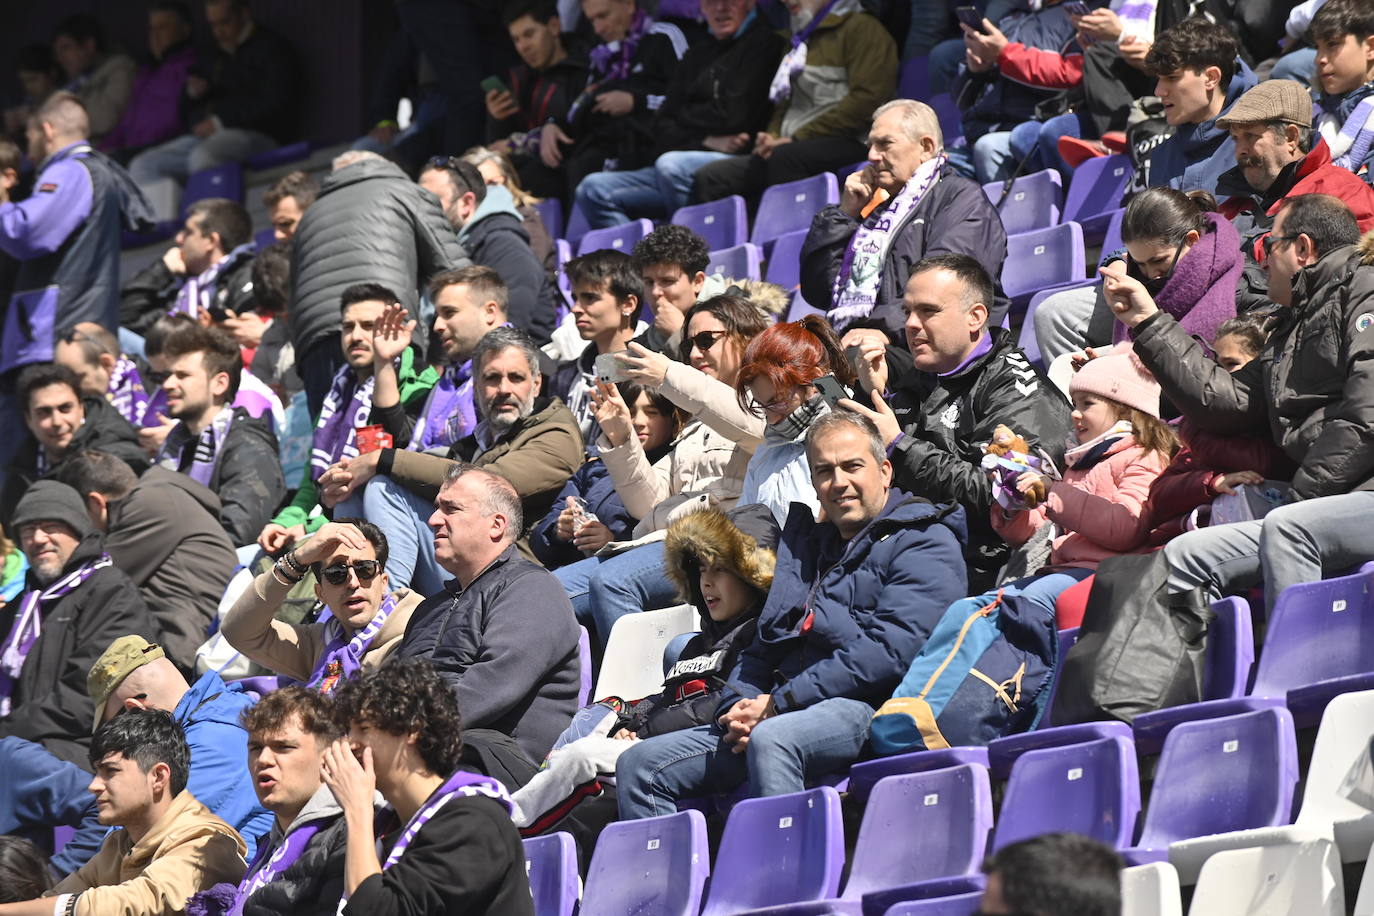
{"x":1343,"y":32}
{"x":606,"y":296}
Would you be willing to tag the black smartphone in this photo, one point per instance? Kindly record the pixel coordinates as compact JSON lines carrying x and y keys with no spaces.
{"x":970,"y":17}
{"x":831,"y":389}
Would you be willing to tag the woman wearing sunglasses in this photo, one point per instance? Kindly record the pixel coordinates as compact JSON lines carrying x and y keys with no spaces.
{"x":364,"y":621}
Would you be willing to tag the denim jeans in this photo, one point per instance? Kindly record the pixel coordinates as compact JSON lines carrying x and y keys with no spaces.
{"x":184,"y":155}
{"x":783,"y":752}
{"x":405,"y":519}
{"x":604,"y":590}
{"x":1305,"y":541}
{"x":613,"y":198}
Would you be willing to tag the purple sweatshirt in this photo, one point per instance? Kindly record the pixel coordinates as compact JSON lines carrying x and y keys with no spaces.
{"x":153,"y":113}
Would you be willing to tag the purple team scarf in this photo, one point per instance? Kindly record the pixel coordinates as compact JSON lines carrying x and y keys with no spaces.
{"x":157,"y":404}
{"x":347,"y":406}
{"x":613,"y":60}
{"x":794,"y":61}
{"x":28,"y":625}
{"x":126,"y":392}
{"x":342,"y":657}
{"x":199,"y":292}
{"x":206,"y":449}
{"x":460,"y":783}
{"x":262,"y":873}
{"x":448,"y":415}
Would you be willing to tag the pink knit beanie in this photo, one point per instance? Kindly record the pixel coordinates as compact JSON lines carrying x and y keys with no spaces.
{"x":1120,"y":376}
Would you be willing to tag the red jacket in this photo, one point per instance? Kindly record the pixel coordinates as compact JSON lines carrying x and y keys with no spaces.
{"x":1316,"y":175}
{"x":1039,"y":68}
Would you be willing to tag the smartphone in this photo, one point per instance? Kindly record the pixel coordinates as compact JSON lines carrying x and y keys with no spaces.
{"x":1077,"y":8}
{"x":970,"y":17}
{"x":608,"y":368}
{"x":831,"y":389}
{"x":493,"y":84}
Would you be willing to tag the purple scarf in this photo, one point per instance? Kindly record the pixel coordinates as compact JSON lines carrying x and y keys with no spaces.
{"x":126,"y":392}
{"x":1201,"y":292}
{"x":342,"y":656}
{"x":204,"y":450}
{"x":448,"y":415}
{"x":347,"y":406}
{"x":460,"y":783}
{"x":613,"y":60}
{"x":199,"y":292}
{"x":261,"y":873}
{"x":28,"y":625}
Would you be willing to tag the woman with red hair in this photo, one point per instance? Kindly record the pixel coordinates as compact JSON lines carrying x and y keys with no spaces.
{"x":780,"y":367}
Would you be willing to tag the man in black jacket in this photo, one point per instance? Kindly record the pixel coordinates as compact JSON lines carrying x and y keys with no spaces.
{"x":967,"y":379}
{"x":85,"y":604}
{"x":717,"y":102}
{"x":1311,"y":391}
{"x":239,"y":102}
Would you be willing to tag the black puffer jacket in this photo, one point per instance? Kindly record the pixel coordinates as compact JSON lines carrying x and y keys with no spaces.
{"x":370,"y":224}
{"x":149,"y":295}
{"x":946,"y":421}
{"x":1311,"y":389}
{"x":954,"y":217}
{"x":314,"y":883}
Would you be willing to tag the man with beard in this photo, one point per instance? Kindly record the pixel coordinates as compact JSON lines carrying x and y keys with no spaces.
{"x":531,"y":441}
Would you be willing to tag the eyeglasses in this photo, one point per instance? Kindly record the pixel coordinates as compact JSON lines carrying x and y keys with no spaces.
{"x":1269,"y":241}
{"x":705,"y":340}
{"x":366,"y":571}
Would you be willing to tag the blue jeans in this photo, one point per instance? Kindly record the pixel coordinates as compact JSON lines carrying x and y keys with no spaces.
{"x":783,"y":752}
{"x":993,"y":157}
{"x":184,"y":155}
{"x":945,"y":60}
{"x":405,"y":519}
{"x":1045,"y":588}
{"x":604,"y":590}
{"x":613,"y":198}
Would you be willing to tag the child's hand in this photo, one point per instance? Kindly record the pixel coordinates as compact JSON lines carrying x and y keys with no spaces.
{"x":1227,"y":483}
{"x":1032,"y":488}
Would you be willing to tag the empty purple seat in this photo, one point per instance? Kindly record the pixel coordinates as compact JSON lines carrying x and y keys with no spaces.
{"x":784,"y":262}
{"x":577,"y":225}
{"x":959,"y":905}
{"x":913,"y":78}
{"x":1027,"y":340}
{"x":801,"y":308}
{"x":1041,"y":259}
{"x":1003,"y":752}
{"x":1111,"y":241}
{"x":1096,"y":190}
{"x":775,"y":850}
{"x":739,"y":263}
{"x":1091,"y":788}
{"x":789,"y":207}
{"x":620,"y":238}
{"x":1067,"y":637}
{"x":550,"y":211}
{"x":951,"y":119}
{"x":220,"y":181}
{"x":1220,"y":775}
{"x":864,"y":776}
{"x":722,"y":223}
{"x":1032,"y":201}
{"x":551,"y":863}
{"x":291,"y":152}
{"x":654,"y":865}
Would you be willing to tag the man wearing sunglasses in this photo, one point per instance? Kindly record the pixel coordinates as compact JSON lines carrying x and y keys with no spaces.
{"x":365,"y":620}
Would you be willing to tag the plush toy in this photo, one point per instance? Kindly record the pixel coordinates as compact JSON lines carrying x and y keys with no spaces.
{"x":1005,"y":459}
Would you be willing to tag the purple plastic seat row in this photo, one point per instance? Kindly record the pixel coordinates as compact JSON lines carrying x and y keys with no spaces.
{"x":788,"y":207}
{"x":1042,"y":258}
{"x":743,"y":262}
{"x":654,"y":865}
{"x":551,"y":864}
{"x":1095,"y":193}
{"x":722,"y":223}
{"x":1031,"y":202}
{"x":959,"y":905}
{"x":619,"y":238}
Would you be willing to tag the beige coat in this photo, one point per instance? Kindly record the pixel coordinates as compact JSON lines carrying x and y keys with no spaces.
{"x":293,"y":649}
{"x":188,"y":850}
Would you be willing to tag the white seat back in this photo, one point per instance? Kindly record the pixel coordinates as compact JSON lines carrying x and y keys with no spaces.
{"x":1150,"y":890}
{"x":632,"y":667}
{"x":1289,"y":879}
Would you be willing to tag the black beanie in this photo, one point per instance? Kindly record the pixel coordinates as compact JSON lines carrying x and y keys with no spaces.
{"x":50,"y":501}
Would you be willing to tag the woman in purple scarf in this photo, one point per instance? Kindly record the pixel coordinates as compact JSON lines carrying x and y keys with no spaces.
{"x":1187,"y":255}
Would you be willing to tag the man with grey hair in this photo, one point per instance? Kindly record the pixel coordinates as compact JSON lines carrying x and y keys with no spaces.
{"x":501,"y":632}
{"x":853,"y":599}
{"x":530,"y":440}
{"x":905,"y":205}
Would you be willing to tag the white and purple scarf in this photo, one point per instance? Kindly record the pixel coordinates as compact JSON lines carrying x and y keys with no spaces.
{"x":28,"y":625}
{"x":449,"y":415}
{"x":126,"y":392}
{"x":198,"y":292}
{"x":347,"y":406}
{"x":204,"y":451}
{"x":794,"y":61}
{"x":263,"y":872}
{"x":861,"y":272}
{"x":343,"y":656}
{"x":460,"y":783}
{"x":613,"y":60}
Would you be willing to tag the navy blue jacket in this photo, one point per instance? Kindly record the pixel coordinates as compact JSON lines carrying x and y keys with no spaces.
{"x":593,"y":483}
{"x":1198,"y":154}
{"x":845,"y":620}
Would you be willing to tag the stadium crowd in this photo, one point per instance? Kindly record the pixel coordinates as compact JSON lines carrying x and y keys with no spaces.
{"x":314,"y":546}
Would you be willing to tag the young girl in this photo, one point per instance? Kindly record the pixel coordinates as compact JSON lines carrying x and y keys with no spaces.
{"x":1121,"y":447}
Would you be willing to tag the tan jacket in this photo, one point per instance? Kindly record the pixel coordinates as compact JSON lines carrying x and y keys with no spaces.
{"x":293,"y":649}
{"x":189,"y":850}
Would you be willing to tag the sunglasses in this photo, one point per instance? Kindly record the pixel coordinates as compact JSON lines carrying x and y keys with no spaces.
{"x":443,"y":162}
{"x":365,"y":570}
{"x":1271,"y":240}
{"x":705,"y":340}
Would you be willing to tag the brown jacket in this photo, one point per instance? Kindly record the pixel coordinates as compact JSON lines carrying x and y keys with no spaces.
{"x":189,"y":850}
{"x":293,"y":649}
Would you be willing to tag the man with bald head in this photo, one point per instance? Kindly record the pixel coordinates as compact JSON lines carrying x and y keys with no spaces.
{"x":105,"y":371}
{"x":66,"y":235}
{"x":502,"y":631}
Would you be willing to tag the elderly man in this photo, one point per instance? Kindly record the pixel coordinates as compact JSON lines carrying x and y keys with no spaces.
{"x":501,"y":632}
{"x":530,"y":440}
{"x":856,"y":260}
{"x":853,"y":600}
{"x":967,"y":379}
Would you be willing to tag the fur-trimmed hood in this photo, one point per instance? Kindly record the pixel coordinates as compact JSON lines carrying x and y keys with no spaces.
{"x":743,"y":540}
{"x":1365,"y":247}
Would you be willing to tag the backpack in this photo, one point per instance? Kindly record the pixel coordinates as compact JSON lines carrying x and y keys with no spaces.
{"x":985,"y":672}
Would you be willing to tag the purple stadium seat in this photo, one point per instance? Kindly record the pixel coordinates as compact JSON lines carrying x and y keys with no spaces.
{"x":1091,"y":788}
{"x":576,"y":226}
{"x":291,"y":152}
{"x":722,"y":223}
{"x":1032,"y":201}
{"x":801,"y":308}
{"x":739,"y":263}
{"x":1220,"y":775}
{"x":550,"y":210}
{"x":1067,"y":638}
{"x":864,"y":776}
{"x":551,"y":863}
{"x":1041,"y":259}
{"x":789,"y":207}
{"x":585,"y":664}
{"x":1112,"y":240}
{"x":913,"y":79}
{"x":1027,"y":341}
{"x":1003,"y":753}
{"x":951,"y":119}
{"x":959,"y":905}
{"x":264,"y":239}
{"x":784,"y":263}
{"x":220,"y":181}
{"x":1095,"y":192}
{"x":654,"y":865}
{"x":620,"y":238}
{"x":804,"y":842}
